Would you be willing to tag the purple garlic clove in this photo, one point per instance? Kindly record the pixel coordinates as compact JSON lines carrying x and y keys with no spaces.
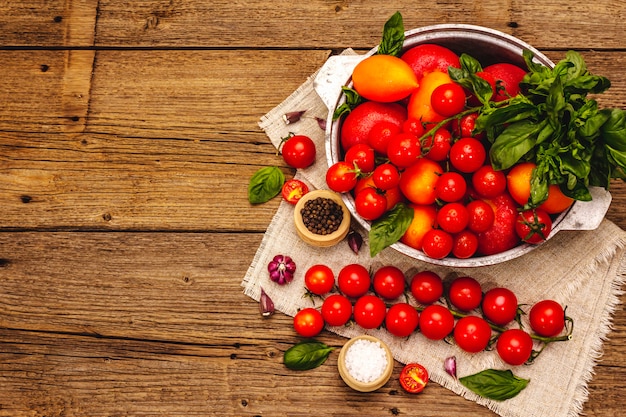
{"x":450,"y":366}
{"x":266,"y":305}
{"x":293,"y":116}
{"x":281,"y":269}
{"x":355,"y":240}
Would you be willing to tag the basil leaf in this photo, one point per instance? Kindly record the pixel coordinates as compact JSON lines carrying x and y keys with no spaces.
{"x":393,"y":36}
{"x":265,"y":184}
{"x":306,"y":355}
{"x":495,"y":384}
{"x":389,"y":229}
{"x":514,"y":142}
{"x":353,"y":99}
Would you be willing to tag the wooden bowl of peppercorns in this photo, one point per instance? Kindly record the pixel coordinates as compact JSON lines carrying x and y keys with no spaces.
{"x":321,"y":218}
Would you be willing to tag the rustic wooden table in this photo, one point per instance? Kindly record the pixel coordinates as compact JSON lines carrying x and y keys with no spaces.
{"x":128,"y":134}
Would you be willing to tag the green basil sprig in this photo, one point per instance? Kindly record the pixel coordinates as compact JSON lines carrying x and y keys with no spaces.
{"x":390,"y":227}
{"x":306,"y":355}
{"x":265,"y":184}
{"x":495,"y":384}
{"x":393,"y":36}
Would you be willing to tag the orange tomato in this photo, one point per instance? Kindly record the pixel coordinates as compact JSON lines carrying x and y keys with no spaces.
{"x":418,"y":181}
{"x":423,"y":220}
{"x":419,"y":104}
{"x":518,"y":183}
{"x":384,"y":78}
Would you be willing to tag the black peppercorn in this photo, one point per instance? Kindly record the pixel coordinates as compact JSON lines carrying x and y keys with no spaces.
{"x":321,"y":216}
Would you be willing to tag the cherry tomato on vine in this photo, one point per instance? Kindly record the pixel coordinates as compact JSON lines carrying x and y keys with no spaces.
{"x":369,"y":312}
{"x":293,"y":190}
{"x":298,"y":151}
{"x":465,"y":293}
{"x":308,"y":322}
{"x":336,"y":310}
{"x":465,"y":127}
{"x":465,"y":244}
{"x":437,"y":243}
{"x":533,"y":226}
{"x":514,"y":346}
{"x":547,"y":318}
{"x":403,"y":149}
{"x":481,"y":216}
{"x":319,"y":279}
{"x":472,"y":334}
{"x":488,"y":182}
{"x":413,"y":126}
{"x":389,"y":282}
{"x":362,"y":156}
{"x":500,"y":306}
{"x":448,"y":99}
{"x":451,"y":186}
{"x":386,"y":176}
{"x":453,"y":217}
{"x":354,"y":280}
{"x":426,"y":287}
{"x":467,"y":155}
{"x":341,"y":177}
{"x":401,"y":319}
{"x":437,"y":147}
{"x":413,"y":378}
{"x":370,"y":204}
{"x":436,"y":322}
{"x":379,"y":135}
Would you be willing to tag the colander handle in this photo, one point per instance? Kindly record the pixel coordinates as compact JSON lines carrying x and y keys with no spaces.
{"x":334,"y":74}
{"x":587,"y":215}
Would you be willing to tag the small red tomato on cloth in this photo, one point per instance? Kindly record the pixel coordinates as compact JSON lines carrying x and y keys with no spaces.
{"x":293,"y":190}
{"x":413,"y":378}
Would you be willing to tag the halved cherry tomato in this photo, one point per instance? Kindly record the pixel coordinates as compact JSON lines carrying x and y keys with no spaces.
{"x":413,"y":378}
{"x":293,"y":190}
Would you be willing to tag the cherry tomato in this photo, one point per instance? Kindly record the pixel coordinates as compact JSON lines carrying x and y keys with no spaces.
{"x":547,"y":318}
{"x":369,"y":312}
{"x":448,"y":99}
{"x":401,"y":319}
{"x":438,"y":146}
{"x":465,"y":127}
{"x":336,"y":310}
{"x":298,"y":151}
{"x":308,"y":322}
{"x":514,"y":346}
{"x":465,"y":244}
{"x":467,"y":155}
{"x":370,"y":204}
{"x":488,"y":182}
{"x":500,"y":306}
{"x":403,"y":149}
{"x":353,"y":280}
{"x":481,"y":216}
{"x":341,"y":177}
{"x":426,"y":287}
{"x":451,"y":186}
{"x":453,"y":217}
{"x":386,"y":176}
{"x":362,"y":156}
{"x":533,"y":226}
{"x":413,"y":126}
{"x":319,"y":279}
{"x":413,"y":378}
{"x":472,"y":334}
{"x":379,"y":135}
{"x":436,"y":322}
{"x":437,"y":243}
{"x":293,"y":190}
{"x":389,"y":282}
{"x":393,"y":195}
{"x":465,"y":293}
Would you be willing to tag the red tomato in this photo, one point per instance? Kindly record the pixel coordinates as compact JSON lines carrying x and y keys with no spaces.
{"x":448,"y":99}
{"x":393,"y":195}
{"x":500,"y":306}
{"x":547,"y":318}
{"x":319,"y":279}
{"x":362,"y":157}
{"x":436,"y":322}
{"x":413,"y":126}
{"x":336,"y":310}
{"x":428,"y":57}
{"x":467,"y":155}
{"x":453,"y":217}
{"x":488,"y":182}
{"x":465,"y":293}
{"x":308,"y":322}
{"x":401,"y":319}
{"x":464,"y":128}
{"x":379,"y":135}
{"x":418,"y":182}
{"x":437,"y":243}
{"x":341,"y":177}
{"x":472,"y":334}
{"x":508,"y":77}
{"x":386,"y":176}
{"x":514,"y":346}
{"x":354,"y":280}
{"x":293,"y":190}
{"x":533,"y":226}
{"x":403,"y":149}
{"x":359,"y":122}
{"x":369,"y":312}
{"x":450,"y":187}
{"x":413,"y":378}
{"x":481,"y":216}
{"x":437,"y":147}
{"x":370,"y":204}
{"x":426,"y":287}
{"x":389,"y":282}
{"x":298,"y":151}
{"x":501,"y":235}
{"x":465,"y":244}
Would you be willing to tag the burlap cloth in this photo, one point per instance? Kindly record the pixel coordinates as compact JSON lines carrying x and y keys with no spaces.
{"x":584,"y":270}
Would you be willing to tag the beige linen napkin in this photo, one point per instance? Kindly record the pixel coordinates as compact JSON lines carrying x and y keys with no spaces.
{"x":584,"y":270}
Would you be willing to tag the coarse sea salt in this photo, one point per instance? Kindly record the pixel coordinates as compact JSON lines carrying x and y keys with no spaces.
{"x":366,"y":360}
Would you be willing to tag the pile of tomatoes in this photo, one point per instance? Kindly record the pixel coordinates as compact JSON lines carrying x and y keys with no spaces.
{"x":473,"y":319}
{"x":413,"y":140}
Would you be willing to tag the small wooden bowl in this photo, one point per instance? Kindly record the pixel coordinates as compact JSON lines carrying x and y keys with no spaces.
{"x":313,"y":238}
{"x":358,"y":385}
